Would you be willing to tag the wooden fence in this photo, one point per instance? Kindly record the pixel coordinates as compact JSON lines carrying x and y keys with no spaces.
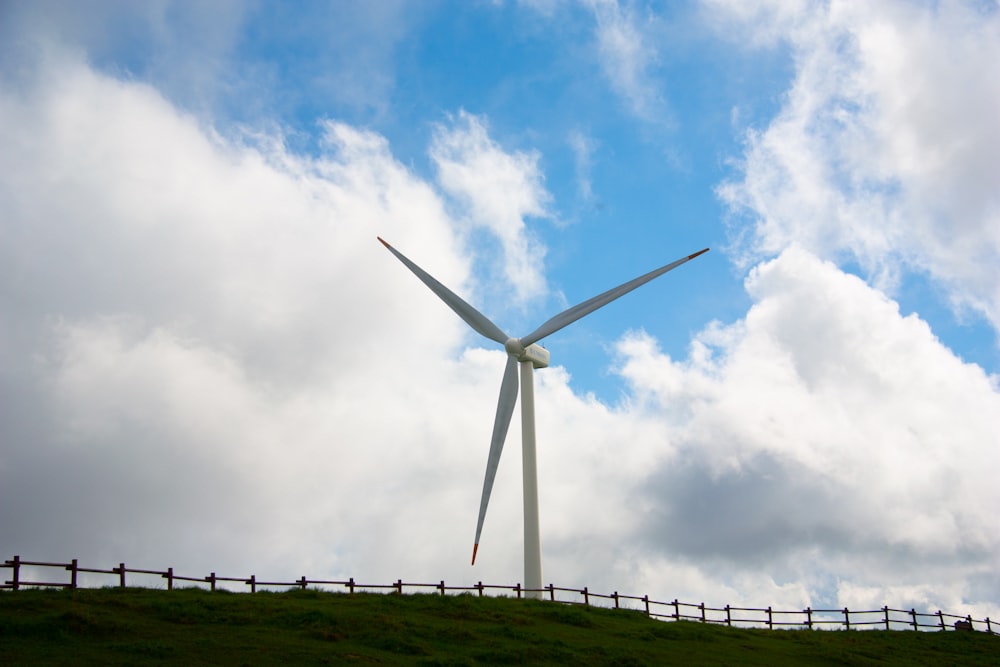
{"x":885,"y":618}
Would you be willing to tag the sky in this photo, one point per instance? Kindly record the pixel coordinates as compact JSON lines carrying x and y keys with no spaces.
{"x":208,"y":362}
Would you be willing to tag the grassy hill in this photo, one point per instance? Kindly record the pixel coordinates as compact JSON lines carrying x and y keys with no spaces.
{"x":196,"y":627}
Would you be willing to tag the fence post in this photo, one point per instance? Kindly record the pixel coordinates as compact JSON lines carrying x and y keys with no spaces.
{"x":441,"y":586}
{"x":615,"y":596}
{"x":517,"y":589}
{"x":770,"y":619}
{"x":170,"y":578}
{"x":552,"y":592}
{"x":303,"y":582}
{"x":677,"y":609}
{"x":16,"y":572}
{"x":121,"y":572}
{"x":809,"y":618}
{"x":72,"y":574}
{"x":350,"y":585}
{"x":847,"y":618}
{"x":702,"y":608}
{"x":941,"y":619}
{"x":480,"y":587}
{"x":989,"y":628}
{"x":645,"y":600}
{"x":586,"y":597}
{"x":211,"y":580}
{"x":913,"y":613}
{"x":729,"y":616}
{"x":885,"y":610}
{"x":253,"y":583}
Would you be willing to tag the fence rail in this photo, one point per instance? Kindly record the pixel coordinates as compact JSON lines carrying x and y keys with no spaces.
{"x":885,"y":618}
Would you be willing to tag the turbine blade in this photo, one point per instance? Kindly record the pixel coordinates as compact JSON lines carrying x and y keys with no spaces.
{"x":472,"y":317}
{"x":505,"y":409}
{"x":571,"y":315}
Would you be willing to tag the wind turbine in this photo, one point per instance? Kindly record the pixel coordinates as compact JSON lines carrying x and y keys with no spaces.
{"x":526,"y":352}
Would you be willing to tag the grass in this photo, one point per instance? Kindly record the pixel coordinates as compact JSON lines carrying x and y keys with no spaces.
{"x":134,"y":626}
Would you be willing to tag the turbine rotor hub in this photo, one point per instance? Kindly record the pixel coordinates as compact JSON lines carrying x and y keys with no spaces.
{"x":514,"y":347}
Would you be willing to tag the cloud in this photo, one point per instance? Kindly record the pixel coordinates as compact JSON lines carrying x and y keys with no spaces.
{"x":186,"y":48}
{"x":627,"y":56}
{"x":497,"y":190}
{"x":206,"y":57}
{"x":198,"y":332}
{"x":886,"y":149}
{"x":583,"y":148}
{"x":824,"y":432}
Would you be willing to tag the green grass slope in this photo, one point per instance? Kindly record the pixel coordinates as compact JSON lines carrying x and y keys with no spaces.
{"x":197,"y":627}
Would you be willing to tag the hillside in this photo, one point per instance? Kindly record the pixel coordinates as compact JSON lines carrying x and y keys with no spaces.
{"x":198,"y":627}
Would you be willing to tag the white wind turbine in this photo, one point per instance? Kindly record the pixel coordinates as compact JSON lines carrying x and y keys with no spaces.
{"x":530,"y":356}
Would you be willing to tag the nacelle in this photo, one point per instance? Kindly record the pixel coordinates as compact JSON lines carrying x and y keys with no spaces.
{"x":536,"y":354}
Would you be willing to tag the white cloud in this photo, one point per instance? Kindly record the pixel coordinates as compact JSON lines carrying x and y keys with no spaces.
{"x":204,"y":57}
{"x":198,"y":333}
{"x":583,"y":148}
{"x":498,"y":190}
{"x":886,"y":149}
{"x":627,"y":56}
{"x":824,"y":423}
{"x":186,"y":48}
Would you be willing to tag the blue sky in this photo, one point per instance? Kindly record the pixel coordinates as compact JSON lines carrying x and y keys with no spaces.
{"x":195,"y":299}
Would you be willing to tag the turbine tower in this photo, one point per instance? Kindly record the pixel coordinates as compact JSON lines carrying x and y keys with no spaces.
{"x":529,"y":355}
